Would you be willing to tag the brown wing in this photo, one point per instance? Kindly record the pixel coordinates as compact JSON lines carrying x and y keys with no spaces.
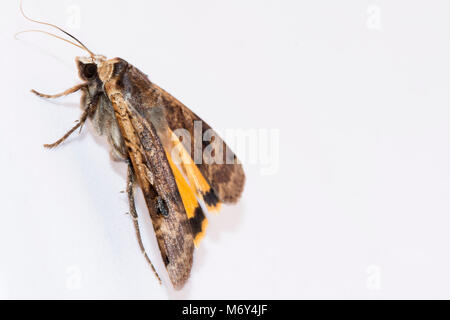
{"x":154,"y":175}
{"x":227,"y":178}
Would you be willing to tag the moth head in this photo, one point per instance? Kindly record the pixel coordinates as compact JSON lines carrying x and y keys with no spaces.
{"x":88,"y":66}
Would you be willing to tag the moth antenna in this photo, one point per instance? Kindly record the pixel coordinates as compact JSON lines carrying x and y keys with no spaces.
{"x":50,"y":34}
{"x":82,"y":46}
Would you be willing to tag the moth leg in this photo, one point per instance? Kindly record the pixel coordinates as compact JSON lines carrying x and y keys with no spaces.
{"x":134,"y":216}
{"x":130,"y":192}
{"x":89,"y":109}
{"x":65,"y":93}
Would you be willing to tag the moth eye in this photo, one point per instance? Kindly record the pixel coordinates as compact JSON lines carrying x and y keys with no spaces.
{"x":90,"y":70}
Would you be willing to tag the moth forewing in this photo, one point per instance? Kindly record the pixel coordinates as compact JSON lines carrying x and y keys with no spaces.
{"x":154,"y":175}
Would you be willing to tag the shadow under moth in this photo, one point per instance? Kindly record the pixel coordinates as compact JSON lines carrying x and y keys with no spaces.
{"x":152,"y":132}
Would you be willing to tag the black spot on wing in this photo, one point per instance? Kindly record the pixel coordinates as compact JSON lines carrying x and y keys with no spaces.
{"x":166,"y":261}
{"x":161,"y":207}
{"x":210,"y":198}
{"x":196,"y":221}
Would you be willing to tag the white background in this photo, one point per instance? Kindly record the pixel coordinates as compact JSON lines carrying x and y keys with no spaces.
{"x":359,"y":91}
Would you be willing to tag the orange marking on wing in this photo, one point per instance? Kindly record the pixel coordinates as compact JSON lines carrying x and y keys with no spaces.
{"x":187,"y":196}
{"x":198,"y":183}
{"x":199,"y":237}
{"x":190,"y":203}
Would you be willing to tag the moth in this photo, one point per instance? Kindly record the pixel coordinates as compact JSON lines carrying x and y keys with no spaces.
{"x":140,"y":121}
